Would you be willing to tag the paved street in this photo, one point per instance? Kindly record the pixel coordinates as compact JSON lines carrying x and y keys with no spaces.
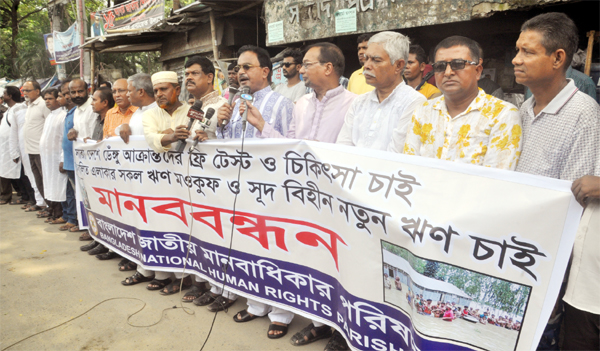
{"x":46,"y":280}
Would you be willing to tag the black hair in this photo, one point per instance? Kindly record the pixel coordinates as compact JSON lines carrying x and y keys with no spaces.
{"x":52,"y":91}
{"x":106,"y":95}
{"x":14,"y":93}
{"x":364,"y":37}
{"x":296,"y":54}
{"x":331,"y":53}
{"x":107,"y":83}
{"x":63,"y":83}
{"x":231,"y":66}
{"x":558,"y":32}
{"x":419,"y":53}
{"x":205,"y":64}
{"x":264,"y":59}
{"x":35,"y":84}
{"x":457,"y":40}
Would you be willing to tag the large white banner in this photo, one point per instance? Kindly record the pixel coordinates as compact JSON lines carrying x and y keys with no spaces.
{"x":389,"y":249}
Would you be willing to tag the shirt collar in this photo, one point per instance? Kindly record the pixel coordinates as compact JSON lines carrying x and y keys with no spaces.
{"x":262,"y":93}
{"x":475,"y":105}
{"x":147,"y":107}
{"x":560,"y":99}
{"x":329,"y":93}
{"x":36,"y":101}
{"x":85,"y":105}
{"x":374,"y":97}
{"x":208,"y":98}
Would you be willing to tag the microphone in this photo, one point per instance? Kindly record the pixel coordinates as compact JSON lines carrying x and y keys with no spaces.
{"x":209,"y":113}
{"x":246,"y":96}
{"x":195,"y":113}
{"x":233,"y":92}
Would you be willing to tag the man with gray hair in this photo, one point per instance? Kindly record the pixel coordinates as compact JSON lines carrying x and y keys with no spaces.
{"x":372,"y":117}
{"x":140,"y":94}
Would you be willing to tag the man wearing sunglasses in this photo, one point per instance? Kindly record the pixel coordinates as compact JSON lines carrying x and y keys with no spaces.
{"x":295,"y":88}
{"x":465,"y":124}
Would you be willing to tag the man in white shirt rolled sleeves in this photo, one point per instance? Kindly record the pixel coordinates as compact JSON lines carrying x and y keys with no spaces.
{"x":140,"y":94}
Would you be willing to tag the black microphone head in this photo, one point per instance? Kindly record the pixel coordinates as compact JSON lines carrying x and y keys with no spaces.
{"x":195,"y":112}
{"x":197,"y":105}
{"x":209,"y":113}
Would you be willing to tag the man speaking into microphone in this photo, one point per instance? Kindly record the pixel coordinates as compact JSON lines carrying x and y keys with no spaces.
{"x":166,"y":123}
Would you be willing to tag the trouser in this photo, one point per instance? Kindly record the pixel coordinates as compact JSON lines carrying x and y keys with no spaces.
{"x":5,"y":189}
{"x":16,"y":184}
{"x":549,"y":340}
{"x":217,"y":290}
{"x":158,"y":275}
{"x":69,"y":208}
{"x":27,"y":192}
{"x":276,"y":314}
{"x":582,"y":330}
{"x":36,"y":167}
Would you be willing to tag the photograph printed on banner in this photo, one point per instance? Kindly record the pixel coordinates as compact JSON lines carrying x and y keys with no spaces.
{"x":453,"y":303}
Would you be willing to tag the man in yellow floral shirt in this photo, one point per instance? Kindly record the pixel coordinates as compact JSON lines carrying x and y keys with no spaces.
{"x":465,"y":124}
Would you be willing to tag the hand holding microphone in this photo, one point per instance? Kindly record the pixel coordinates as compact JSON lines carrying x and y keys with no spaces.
{"x":233,"y":93}
{"x":205,"y":123}
{"x":194,"y":114}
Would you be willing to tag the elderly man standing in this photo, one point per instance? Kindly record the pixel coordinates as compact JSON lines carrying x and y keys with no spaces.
{"x":561,"y":139}
{"x":254,"y":71}
{"x":121,"y":113}
{"x":33,"y":128}
{"x":373,"y":116}
{"x":317,"y":116}
{"x":140,"y":94}
{"x":167,"y":123}
{"x":55,"y":187}
{"x":357,"y":83}
{"x":465,"y":124}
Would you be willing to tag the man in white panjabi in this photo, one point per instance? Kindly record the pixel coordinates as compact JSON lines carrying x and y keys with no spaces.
{"x":55,"y":182}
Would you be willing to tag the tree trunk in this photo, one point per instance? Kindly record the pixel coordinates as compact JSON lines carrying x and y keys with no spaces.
{"x":14,"y":18}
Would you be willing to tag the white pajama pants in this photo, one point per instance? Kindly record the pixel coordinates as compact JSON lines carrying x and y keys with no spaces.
{"x":276,"y":314}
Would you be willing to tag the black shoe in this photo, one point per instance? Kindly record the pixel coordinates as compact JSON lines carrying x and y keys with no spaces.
{"x":88,"y":247}
{"x":337,"y":343}
{"x":100,"y":249}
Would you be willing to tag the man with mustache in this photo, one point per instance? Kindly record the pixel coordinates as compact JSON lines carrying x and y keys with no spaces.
{"x":254,"y":71}
{"x":357,"y":83}
{"x":373,"y":116}
{"x":34,"y":125}
{"x":295,"y":88}
{"x":232,"y":79}
{"x":465,"y":124}
{"x":122,"y":112}
{"x":166,"y":123}
{"x":561,"y":132}
{"x":141,"y":95}
{"x":199,"y":79}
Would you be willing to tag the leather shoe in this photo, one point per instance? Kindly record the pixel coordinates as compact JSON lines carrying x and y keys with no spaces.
{"x":100,"y":249}
{"x":88,"y":247}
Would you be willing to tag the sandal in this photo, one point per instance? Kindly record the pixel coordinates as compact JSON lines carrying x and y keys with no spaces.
{"x":66,"y":227}
{"x":59,"y":221}
{"x":221,"y":304}
{"x":26,"y":206}
{"x":157,"y":284}
{"x":44,"y":214}
{"x":76,"y":229}
{"x":85,"y":236}
{"x":33,"y":208}
{"x":18,"y":202}
{"x":50,"y":219}
{"x":206,"y":299}
{"x":310,"y":334}
{"x":193,"y":294}
{"x":336,"y":343}
{"x":276,"y":327}
{"x":245,"y":316}
{"x":107,"y":256}
{"x":136,"y":279}
{"x":4,"y":202}
{"x":173,"y":288}
{"x":129,"y":266}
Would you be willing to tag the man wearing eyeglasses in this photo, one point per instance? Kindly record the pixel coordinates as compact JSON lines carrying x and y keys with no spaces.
{"x":254,"y":71}
{"x":465,"y":124}
{"x":372,"y":117}
{"x":35,"y":119}
{"x":122,"y":112}
{"x":294,"y":89}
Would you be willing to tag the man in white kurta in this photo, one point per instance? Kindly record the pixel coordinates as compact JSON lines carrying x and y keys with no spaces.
{"x":85,"y":118}
{"x":55,"y":182}
{"x":8,"y":168}
{"x":17,"y":151}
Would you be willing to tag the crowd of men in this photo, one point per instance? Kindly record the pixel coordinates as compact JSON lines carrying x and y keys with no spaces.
{"x":386,"y":105}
